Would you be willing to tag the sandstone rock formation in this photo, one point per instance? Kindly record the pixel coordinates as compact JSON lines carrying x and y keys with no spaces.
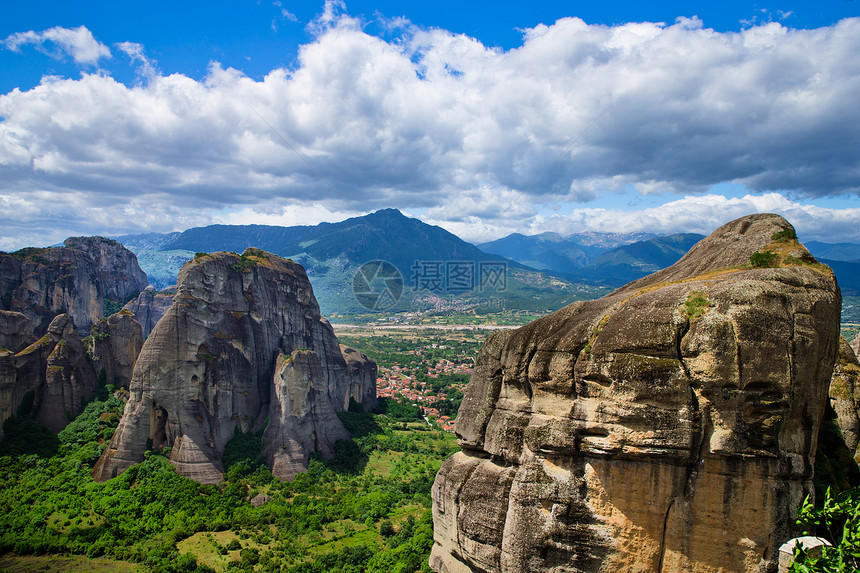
{"x":362,"y":372}
{"x":845,"y":397}
{"x":669,"y":426}
{"x":149,"y":306}
{"x":116,"y":343}
{"x":73,"y":280}
{"x":243,"y":342}
{"x":56,"y":369}
{"x":16,"y":331}
{"x":855,"y":345}
{"x":118,"y":269}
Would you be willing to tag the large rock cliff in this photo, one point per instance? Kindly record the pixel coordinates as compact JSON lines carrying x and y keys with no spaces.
{"x":115,"y":345}
{"x":242,"y":343}
{"x":669,"y":426}
{"x":74,"y":280}
{"x":56,"y":369}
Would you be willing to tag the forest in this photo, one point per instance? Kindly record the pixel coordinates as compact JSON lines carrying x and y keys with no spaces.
{"x":367,"y":509}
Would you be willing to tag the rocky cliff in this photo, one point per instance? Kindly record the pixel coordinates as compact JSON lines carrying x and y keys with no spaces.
{"x":669,"y":426}
{"x":242,"y":343}
{"x":149,"y":306}
{"x":73,"y":280}
{"x":120,"y":274}
{"x":362,"y":373}
{"x":56,"y":369}
{"x":116,"y":342}
{"x":845,"y":397}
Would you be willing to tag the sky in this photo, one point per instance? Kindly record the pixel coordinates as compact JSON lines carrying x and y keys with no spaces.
{"x":485,"y":118}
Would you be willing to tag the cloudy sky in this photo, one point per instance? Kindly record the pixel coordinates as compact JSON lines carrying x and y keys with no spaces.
{"x":482,"y":117}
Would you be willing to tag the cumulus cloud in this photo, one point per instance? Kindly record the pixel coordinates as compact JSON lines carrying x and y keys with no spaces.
{"x":692,"y":214}
{"x":58,"y":42}
{"x":443,"y":125}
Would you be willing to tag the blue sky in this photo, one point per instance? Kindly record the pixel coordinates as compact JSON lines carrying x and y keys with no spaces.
{"x":483,"y":117}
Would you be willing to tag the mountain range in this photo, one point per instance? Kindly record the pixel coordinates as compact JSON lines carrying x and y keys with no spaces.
{"x":434,"y":268}
{"x":542,"y":272}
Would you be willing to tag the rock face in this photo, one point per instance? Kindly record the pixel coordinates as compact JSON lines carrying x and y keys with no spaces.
{"x":362,"y":373}
{"x":116,"y":343}
{"x":56,"y":369}
{"x":669,"y":426}
{"x":16,"y":331}
{"x":117,"y":267}
{"x":242,"y":342}
{"x":150,"y":306}
{"x":73,"y":280}
{"x":845,"y":397}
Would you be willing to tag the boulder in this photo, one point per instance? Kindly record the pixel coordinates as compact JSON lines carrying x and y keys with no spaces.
{"x":242,"y":343}
{"x":669,"y":426}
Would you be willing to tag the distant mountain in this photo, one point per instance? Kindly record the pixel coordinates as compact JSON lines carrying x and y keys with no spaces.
{"x":834,"y":251}
{"x":554,"y":253}
{"x":629,"y":262}
{"x":547,"y":251}
{"x":847,"y":275}
{"x":611,"y":259}
{"x":332,"y":253}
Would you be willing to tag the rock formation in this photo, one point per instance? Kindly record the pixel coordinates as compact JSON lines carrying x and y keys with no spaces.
{"x":16,"y":331}
{"x":362,"y":372}
{"x":120,"y":274}
{"x":669,"y":426}
{"x":116,"y":343}
{"x":73,"y":280}
{"x":149,"y":306}
{"x":855,"y":345}
{"x":55,"y":369}
{"x":242,"y":343}
{"x":845,"y":397}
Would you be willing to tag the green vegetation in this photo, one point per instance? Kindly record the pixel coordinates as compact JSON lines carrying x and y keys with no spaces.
{"x":764,"y":260}
{"x":697,"y":304}
{"x":245,"y":262}
{"x":785,"y":235}
{"x":837,"y":519}
{"x":368,"y":509}
{"x":33,"y":255}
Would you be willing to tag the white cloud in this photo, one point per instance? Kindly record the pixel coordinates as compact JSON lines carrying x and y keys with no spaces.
{"x":147,"y":69}
{"x":438,"y":123}
{"x":692,"y":214}
{"x":78,"y":43}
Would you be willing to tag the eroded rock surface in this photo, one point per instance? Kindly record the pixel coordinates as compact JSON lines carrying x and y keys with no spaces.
{"x":243,"y":341}
{"x":149,"y":306}
{"x":73,"y":280}
{"x":362,"y":373}
{"x":116,"y":343}
{"x":669,"y":426}
{"x":56,"y":369}
{"x":845,"y":397}
{"x":118,"y":268}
